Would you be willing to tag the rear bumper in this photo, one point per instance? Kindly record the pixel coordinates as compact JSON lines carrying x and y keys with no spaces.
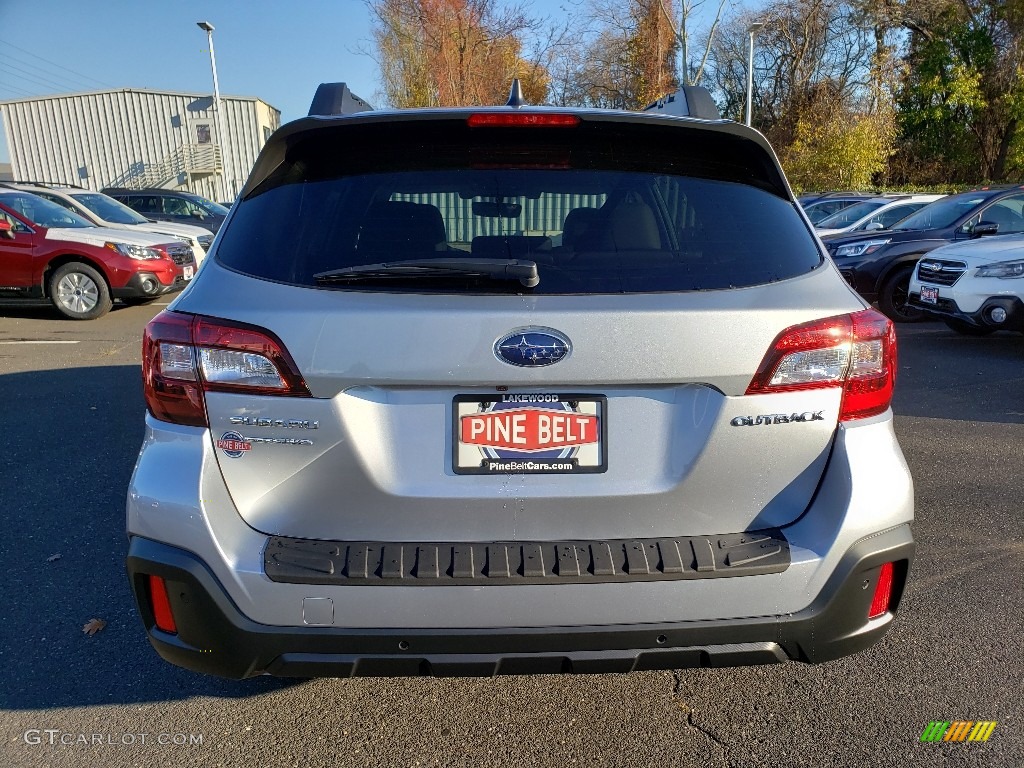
{"x":215,"y":637}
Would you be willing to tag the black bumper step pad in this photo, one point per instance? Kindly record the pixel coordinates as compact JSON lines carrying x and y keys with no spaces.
{"x":306,"y":561}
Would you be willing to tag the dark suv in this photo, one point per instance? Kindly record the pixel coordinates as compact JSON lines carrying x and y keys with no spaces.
{"x":172,"y":205}
{"x":879,"y":264}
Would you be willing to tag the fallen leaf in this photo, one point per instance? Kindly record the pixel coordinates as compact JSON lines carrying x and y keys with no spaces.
{"x":93,"y":626}
{"x":53,"y":558}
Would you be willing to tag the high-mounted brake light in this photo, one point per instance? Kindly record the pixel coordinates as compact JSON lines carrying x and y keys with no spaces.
{"x":856,"y":352}
{"x":522,"y":120}
{"x":185,"y":356}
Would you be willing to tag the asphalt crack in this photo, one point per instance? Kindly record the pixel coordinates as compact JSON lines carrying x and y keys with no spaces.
{"x":691,"y":720}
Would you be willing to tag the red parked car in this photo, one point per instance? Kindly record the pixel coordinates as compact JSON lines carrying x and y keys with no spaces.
{"x":49,"y":252}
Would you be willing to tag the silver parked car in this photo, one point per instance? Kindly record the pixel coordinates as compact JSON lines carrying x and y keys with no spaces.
{"x":516,"y":390}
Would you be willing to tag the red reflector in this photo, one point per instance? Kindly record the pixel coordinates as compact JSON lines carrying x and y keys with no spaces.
{"x":161,"y":605}
{"x":883,"y":592}
{"x":522,"y":120}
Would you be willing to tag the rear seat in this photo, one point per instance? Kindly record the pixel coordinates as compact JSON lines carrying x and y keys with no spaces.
{"x":533,"y":247}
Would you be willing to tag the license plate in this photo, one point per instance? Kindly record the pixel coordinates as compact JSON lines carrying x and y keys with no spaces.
{"x":929,"y":295}
{"x":529,"y":433}
{"x":189,"y":272}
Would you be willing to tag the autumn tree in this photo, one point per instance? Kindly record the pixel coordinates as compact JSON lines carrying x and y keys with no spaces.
{"x":626,"y":58}
{"x":817,"y":95}
{"x":962,"y":103}
{"x":836,"y":147}
{"x":440,"y":53}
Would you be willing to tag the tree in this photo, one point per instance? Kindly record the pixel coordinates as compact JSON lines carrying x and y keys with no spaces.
{"x":817,"y":95}
{"x":626,"y":60}
{"x":962,"y":103}
{"x":836,"y":148}
{"x":440,"y":53}
{"x":691,"y":73}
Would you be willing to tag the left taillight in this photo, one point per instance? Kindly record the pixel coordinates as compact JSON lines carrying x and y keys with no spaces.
{"x":856,"y":352}
{"x":185,"y":356}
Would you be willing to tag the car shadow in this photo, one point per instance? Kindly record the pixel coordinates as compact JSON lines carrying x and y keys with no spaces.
{"x":72,"y":437}
{"x":39,"y":309}
{"x":945,"y":375}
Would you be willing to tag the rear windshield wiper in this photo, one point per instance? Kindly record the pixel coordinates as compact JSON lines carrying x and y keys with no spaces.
{"x":499,"y":269}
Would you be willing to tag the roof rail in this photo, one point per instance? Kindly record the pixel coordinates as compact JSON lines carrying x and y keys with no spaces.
{"x":337,"y":99}
{"x":35,"y":183}
{"x":688,"y":101}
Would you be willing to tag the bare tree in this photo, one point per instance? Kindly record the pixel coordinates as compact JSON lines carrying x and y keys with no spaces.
{"x":626,"y":59}
{"x":454,"y":52}
{"x":690,"y":74}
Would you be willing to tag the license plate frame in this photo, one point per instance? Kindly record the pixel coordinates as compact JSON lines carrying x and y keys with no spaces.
{"x":589,"y":457}
{"x":929,"y":294}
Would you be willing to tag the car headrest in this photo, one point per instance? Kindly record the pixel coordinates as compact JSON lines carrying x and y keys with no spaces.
{"x":396,"y":229}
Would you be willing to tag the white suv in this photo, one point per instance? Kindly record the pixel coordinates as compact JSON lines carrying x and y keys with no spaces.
{"x":976,"y":287}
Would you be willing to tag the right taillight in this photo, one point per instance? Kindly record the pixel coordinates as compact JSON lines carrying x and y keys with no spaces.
{"x":856,"y":352}
{"x":185,"y":356}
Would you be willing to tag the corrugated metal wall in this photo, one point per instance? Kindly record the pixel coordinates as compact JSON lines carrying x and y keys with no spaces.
{"x":94,"y":139}
{"x":543,"y":216}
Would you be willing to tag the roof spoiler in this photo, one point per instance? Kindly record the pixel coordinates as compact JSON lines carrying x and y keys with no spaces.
{"x":688,"y":101}
{"x":337,"y":99}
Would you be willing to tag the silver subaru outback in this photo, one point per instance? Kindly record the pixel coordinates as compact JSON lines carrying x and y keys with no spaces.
{"x":516,"y":390}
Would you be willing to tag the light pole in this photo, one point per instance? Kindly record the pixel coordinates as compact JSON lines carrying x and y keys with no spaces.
{"x":221,"y":136}
{"x":752,"y":30}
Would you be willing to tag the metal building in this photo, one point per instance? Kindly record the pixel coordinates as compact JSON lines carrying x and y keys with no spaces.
{"x":137,"y":138}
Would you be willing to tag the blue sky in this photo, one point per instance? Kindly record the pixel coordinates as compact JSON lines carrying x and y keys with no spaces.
{"x":277,"y":51}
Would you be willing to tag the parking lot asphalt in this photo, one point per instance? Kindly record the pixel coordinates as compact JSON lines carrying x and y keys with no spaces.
{"x":72,"y":412}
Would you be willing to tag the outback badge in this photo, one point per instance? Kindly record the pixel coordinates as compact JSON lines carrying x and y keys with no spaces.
{"x":532,"y":347}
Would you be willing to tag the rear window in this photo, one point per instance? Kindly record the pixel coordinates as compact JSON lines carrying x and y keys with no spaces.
{"x":946,"y":212}
{"x":850,"y":214}
{"x":600,"y":208}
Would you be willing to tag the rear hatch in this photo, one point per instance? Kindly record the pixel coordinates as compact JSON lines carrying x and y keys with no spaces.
{"x":614,"y":399}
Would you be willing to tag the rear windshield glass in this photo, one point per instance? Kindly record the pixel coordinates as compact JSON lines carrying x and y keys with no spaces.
{"x":850,"y":214}
{"x":42,"y":212}
{"x":597,"y":210}
{"x":109,"y":209}
{"x":945,"y":212}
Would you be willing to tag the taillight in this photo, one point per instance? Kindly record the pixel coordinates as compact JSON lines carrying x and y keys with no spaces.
{"x":856,"y":352}
{"x":522,"y":120}
{"x":162,"y":614}
{"x":184,"y":356}
{"x":883,"y":592}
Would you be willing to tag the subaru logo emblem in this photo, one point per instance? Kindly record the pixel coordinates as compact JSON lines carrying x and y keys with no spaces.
{"x":932,"y":266}
{"x":532,"y":347}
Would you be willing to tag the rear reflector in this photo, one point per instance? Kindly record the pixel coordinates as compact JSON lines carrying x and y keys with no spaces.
{"x":161,"y":605}
{"x":522,"y":120}
{"x":883,"y":592}
{"x":856,"y":352}
{"x":185,"y":356}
